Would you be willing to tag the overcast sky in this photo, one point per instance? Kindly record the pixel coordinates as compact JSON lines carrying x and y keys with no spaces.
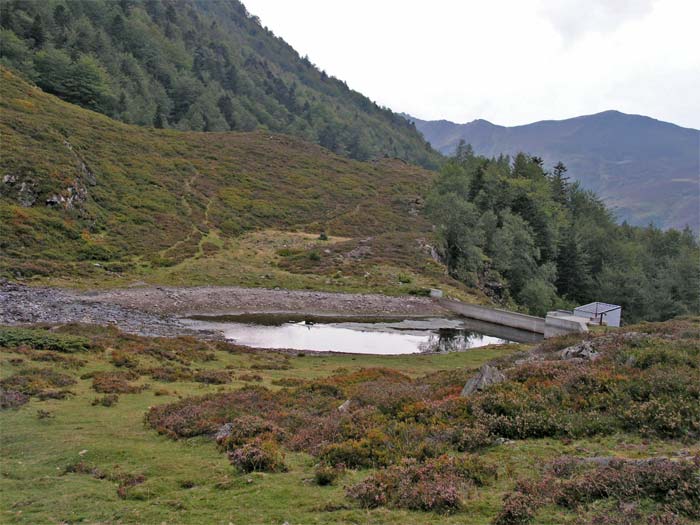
{"x":507,"y":61}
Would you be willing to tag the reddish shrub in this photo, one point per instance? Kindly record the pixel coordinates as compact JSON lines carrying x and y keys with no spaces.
{"x":12,"y":398}
{"x":34,"y":381}
{"x":263,"y":456}
{"x":170,"y":374}
{"x":115,"y":382}
{"x":106,"y":401}
{"x":437,"y":485}
{"x":213,"y":377}
{"x":245,"y":428}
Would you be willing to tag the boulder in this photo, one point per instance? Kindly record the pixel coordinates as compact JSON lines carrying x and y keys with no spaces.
{"x":583,"y":350}
{"x":224,"y":432}
{"x":345,"y":406}
{"x":487,"y":375}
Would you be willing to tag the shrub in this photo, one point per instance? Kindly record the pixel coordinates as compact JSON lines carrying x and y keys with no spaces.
{"x":474,"y":437}
{"x":120,"y":358}
{"x":571,"y":483}
{"x":260,"y":456}
{"x":12,"y":398}
{"x":35,"y":381}
{"x":115,"y":382}
{"x":213,"y":377}
{"x":436,"y":485}
{"x":43,"y":340}
{"x":369,"y":451}
{"x":518,"y":509}
{"x":106,"y":401}
{"x":169,"y":374}
{"x":288,"y":381}
{"x":326,"y":474}
{"x":250,"y":378}
{"x":245,"y":428}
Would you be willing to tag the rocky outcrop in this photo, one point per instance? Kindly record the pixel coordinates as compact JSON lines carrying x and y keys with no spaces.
{"x":21,"y":189}
{"x":488,"y":375}
{"x":584,"y":351}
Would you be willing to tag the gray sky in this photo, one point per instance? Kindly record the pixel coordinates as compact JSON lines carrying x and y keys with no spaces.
{"x":507,"y":61}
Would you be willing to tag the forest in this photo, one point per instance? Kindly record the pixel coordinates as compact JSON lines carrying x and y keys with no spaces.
{"x":525,"y":234}
{"x":198,"y":66}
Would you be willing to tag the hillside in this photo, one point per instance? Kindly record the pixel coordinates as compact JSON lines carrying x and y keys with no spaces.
{"x":87,"y":199}
{"x":646,"y":170}
{"x":202,"y":65}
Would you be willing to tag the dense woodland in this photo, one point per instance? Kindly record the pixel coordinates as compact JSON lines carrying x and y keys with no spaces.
{"x":525,"y":234}
{"x":202,"y":65}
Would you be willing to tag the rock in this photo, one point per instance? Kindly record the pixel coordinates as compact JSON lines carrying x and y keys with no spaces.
{"x":436,"y":292}
{"x":584,"y":350}
{"x":345,"y":406}
{"x":224,"y":432}
{"x":488,"y":375}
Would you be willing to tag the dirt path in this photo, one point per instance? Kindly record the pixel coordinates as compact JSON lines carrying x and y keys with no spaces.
{"x":151,"y":310}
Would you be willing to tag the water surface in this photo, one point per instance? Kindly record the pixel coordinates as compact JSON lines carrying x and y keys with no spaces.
{"x":352,"y":335}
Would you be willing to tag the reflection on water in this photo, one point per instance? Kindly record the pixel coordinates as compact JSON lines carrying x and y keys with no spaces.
{"x":456,"y":340}
{"x":406,"y":336}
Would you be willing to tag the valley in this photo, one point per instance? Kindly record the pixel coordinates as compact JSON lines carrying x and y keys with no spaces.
{"x":234,"y":290}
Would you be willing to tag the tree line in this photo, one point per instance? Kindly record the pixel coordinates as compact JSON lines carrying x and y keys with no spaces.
{"x":530,"y":236}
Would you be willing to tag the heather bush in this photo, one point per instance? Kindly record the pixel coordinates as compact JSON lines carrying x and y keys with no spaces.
{"x":259,"y":456}
{"x":326,"y":474}
{"x":12,"y":398}
{"x":245,"y":428}
{"x":257,"y":378}
{"x":120,"y":358}
{"x":473,"y":437}
{"x":35,"y":381}
{"x":205,"y":414}
{"x":436,"y":485}
{"x":169,"y":374}
{"x":65,"y":361}
{"x":107,"y":400}
{"x":389,"y":396}
{"x":288,"y":381}
{"x":213,"y":377}
{"x":374,"y":450}
{"x":115,"y":382}
{"x":672,"y":487}
{"x":518,"y":509}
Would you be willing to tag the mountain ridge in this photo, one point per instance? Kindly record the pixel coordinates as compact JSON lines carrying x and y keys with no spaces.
{"x":645,"y":169}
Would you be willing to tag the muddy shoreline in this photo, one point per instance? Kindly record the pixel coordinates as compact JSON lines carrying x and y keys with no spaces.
{"x":156,"y":310}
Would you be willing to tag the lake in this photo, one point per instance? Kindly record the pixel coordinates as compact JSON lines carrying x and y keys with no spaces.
{"x":356,"y":334}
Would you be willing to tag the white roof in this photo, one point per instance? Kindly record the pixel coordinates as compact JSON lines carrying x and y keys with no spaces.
{"x":598,"y":308}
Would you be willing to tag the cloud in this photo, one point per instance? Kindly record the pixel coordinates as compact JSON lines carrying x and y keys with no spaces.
{"x":573,"y":18}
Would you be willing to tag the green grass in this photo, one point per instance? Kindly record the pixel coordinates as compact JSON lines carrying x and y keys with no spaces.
{"x":189,"y":481}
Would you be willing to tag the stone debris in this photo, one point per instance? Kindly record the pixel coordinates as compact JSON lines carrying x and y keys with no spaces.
{"x":583,"y":351}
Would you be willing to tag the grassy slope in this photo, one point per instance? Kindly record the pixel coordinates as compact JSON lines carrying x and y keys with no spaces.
{"x":171,"y":207}
{"x":36,"y":451}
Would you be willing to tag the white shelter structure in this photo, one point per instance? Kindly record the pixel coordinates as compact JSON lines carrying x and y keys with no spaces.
{"x":600,"y":313}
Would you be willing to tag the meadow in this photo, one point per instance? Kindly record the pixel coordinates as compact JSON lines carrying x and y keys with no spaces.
{"x":101,"y":427}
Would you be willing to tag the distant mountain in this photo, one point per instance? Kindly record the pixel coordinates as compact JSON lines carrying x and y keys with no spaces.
{"x":646,"y":170}
{"x":195,"y":65}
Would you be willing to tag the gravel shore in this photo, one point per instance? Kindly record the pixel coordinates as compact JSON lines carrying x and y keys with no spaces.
{"x":148,"y":310}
